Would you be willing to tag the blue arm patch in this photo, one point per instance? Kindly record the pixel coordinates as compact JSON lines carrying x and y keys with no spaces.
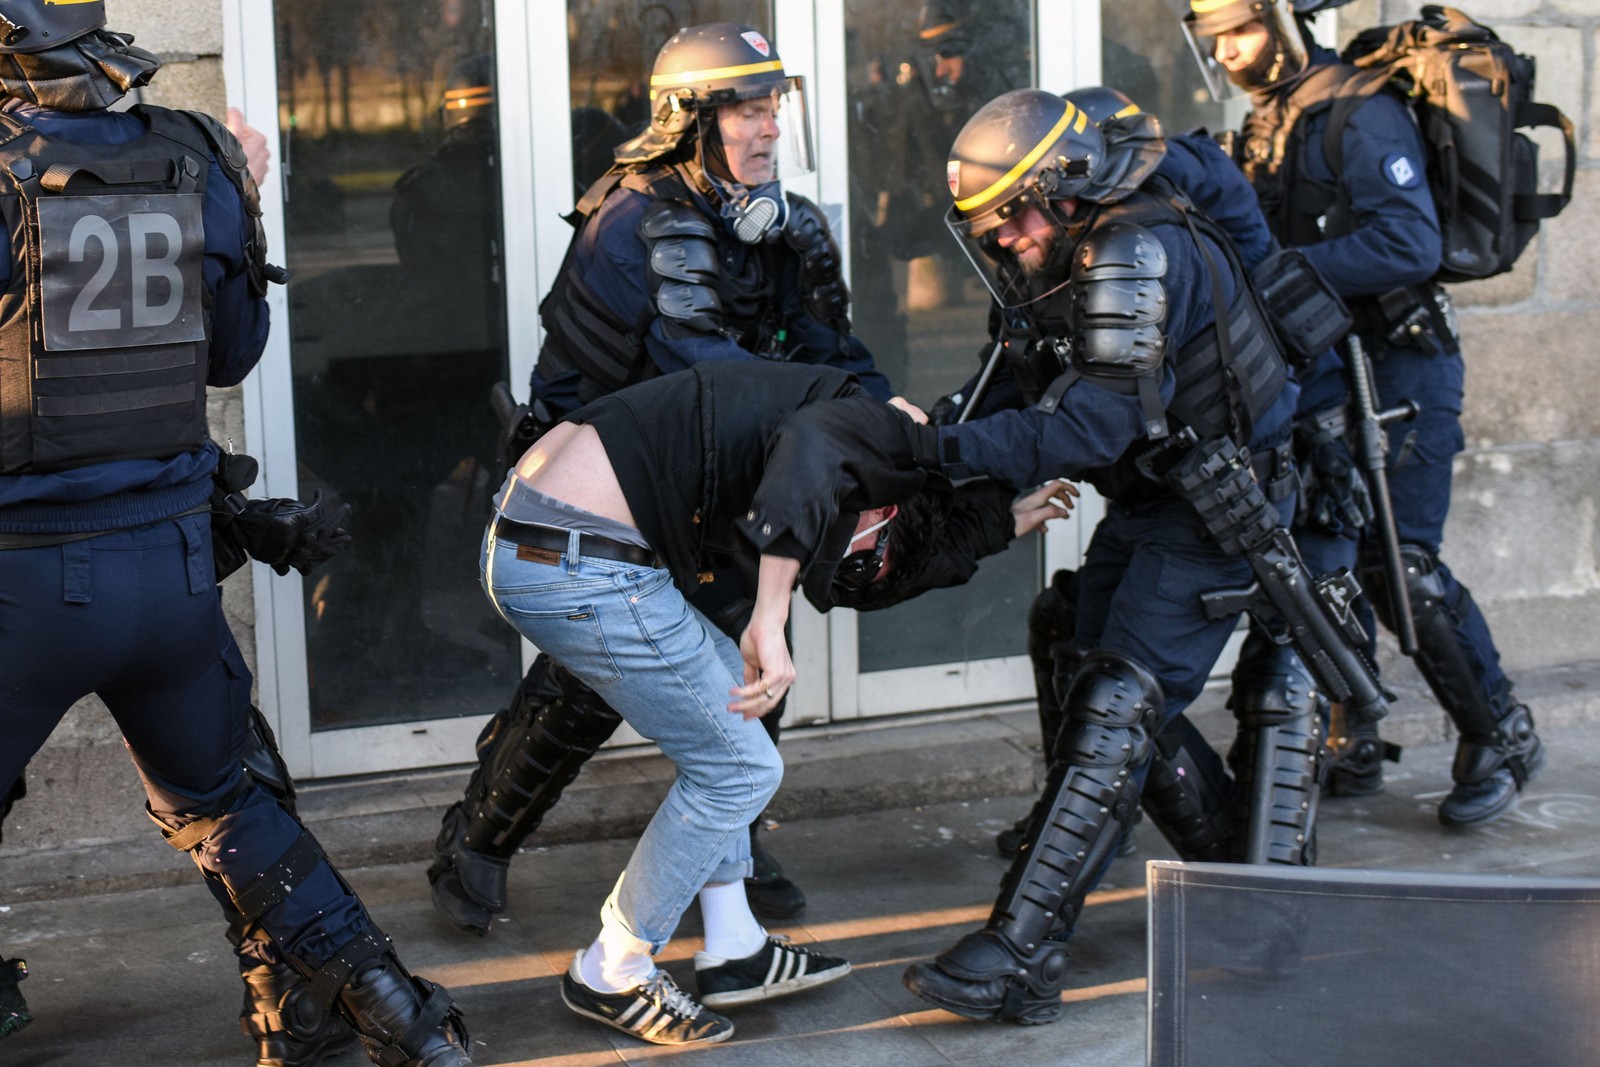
{"x":1400,"y":171}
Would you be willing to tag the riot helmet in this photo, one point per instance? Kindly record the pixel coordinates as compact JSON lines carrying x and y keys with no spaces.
{"x":1135,"y":141}
{"x":1016,"y":171}
{"x":1254,"y":45}
{"x":28,"y":26}
{"x":724,"y":84}
{"x":468,"y":91}
{"x":945,"y":41}
{"x":1102,"y":103}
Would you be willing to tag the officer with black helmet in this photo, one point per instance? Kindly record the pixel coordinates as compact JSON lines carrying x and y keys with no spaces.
{"x":1369,"y":228}
{"x":134,"y":274}
{"x":1111,"y":290}
{"x":1194,"y":164}
{"x":687,"y":251}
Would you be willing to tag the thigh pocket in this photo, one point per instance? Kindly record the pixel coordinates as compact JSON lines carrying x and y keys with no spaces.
{"x":572,"y":637}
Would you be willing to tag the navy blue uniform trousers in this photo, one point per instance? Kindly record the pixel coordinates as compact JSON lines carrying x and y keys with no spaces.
{"x":135,"y":616}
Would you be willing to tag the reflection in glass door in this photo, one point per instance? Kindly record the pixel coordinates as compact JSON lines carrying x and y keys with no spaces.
{"x":916,"y":73}
{"x":392,"y":212}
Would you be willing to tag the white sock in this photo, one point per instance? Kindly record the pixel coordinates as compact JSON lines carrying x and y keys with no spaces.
{"x":731,"y":930}
{"x":613,"y":967}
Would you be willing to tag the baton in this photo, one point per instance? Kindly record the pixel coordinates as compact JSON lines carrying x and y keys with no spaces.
{"x":981,"y":386}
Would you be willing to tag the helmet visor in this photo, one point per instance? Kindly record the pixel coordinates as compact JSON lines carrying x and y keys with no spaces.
{"x":1244,"y":47}
{"x":1018,"y":248}
{"x":766,"y":137}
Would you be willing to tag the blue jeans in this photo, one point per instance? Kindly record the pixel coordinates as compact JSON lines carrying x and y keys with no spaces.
{"x":627,"y":632}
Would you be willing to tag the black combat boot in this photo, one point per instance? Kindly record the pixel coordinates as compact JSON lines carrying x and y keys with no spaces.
{"x":1490,"y":769}
{"x":292,"y":1029}
{"x":404,"y":1021}
{"x":986,"y":976}
{"x":1356,"y":755}
{"x":13,"y":1009}
{"x":469,"y":888}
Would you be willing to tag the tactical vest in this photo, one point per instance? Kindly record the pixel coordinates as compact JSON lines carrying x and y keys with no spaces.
{"x":1226,"y":378}
{"x":105,"y":323}
{"x":583,"y":334}
{"x":1300,"y":210}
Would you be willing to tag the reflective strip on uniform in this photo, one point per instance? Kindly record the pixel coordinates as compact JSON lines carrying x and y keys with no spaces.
{"x":1004,"y":182}
{"x":716,"y":72}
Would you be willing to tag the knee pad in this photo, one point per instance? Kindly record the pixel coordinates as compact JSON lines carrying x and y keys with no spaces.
{"x":554,"y":725}
{"x":1270,"y":683}
{"x":1111,"y":709}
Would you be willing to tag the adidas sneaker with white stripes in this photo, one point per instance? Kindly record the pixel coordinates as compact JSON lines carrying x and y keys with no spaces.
{"x":656,"y":1011}
{"x":778,"y":969}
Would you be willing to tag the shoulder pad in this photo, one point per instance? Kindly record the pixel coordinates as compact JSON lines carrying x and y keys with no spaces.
{"x":807,"y":226}
{"x":674,"y":218}
{"x":823,"y":291}
{"x":1119,"y":250}
{"x":1119,"y":305}
{"x":230,"y":153}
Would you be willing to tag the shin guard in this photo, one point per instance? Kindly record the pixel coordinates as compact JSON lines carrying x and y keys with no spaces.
{"x":1277,"y":754}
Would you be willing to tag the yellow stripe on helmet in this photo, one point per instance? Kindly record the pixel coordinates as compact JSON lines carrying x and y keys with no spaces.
{"x":63,"y":3}
{"x":980,"y":199}
{"x":1131,"y":109}
{"x":706,"y":75}
{"x":934,"y":31}
{"x":1206,"y":7}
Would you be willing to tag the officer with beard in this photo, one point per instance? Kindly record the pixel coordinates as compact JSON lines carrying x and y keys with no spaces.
{"x":687,"y":251}
{"x":1369,"y":228}
{"x":134,"y":275}
{"x":1129,"y":327}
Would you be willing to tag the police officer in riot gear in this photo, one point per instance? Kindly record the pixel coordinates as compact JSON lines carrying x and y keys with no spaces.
{"x":1129,"y":327}
{"x":1196,"y":165}
{"x":688,"y":250}
{"x":1369,"y":228}
{"x":134,"y":274}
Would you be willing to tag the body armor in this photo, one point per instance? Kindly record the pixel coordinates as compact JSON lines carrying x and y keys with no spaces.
{"x":1225,"y":377}
{"x":104,"y":326}
{"x":702,"y":280}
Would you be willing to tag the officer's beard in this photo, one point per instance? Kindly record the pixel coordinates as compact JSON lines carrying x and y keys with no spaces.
{"x":88,"y":73}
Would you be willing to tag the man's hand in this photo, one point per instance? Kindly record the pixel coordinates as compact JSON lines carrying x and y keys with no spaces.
{"x":768,"y":667}
{"x":257,"y":154}
{"x":917,"y":414}
{"x":1052,"y":500}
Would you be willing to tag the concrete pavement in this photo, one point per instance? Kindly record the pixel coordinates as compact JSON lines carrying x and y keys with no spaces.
{"x":136,"y":972}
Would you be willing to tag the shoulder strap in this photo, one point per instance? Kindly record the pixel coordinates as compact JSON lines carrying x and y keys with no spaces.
{"x":1355,"y":91}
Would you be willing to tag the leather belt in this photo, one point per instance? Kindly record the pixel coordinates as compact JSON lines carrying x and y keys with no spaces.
{"x":555,"y":540}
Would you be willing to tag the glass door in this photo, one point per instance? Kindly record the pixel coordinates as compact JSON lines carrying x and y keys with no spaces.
{"x":391,"y":207}
{"x":916,"y":73}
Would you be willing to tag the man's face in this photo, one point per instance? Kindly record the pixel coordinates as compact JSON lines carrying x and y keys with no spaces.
{"x":947,"y":69}
{"x":749,"y":130}
{"x":1028,"y":235}
{"x":1241,"y":46}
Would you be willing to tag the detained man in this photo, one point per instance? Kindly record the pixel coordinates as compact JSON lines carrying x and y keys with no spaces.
{"x":771,"y":474}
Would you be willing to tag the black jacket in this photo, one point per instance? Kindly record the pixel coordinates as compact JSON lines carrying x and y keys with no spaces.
{"x":725,"y":462}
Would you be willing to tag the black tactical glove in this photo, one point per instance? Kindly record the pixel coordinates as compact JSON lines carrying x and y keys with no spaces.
{"x":285,"y":533}
{"x":945,"y":410}
{"x":1333,"y":493}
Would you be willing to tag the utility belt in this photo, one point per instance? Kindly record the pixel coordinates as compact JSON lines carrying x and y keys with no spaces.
{"x":45,"y":540}
{"x":1274,"y":468}
{"x":554,"y":540}
{"x":1414,"y":316}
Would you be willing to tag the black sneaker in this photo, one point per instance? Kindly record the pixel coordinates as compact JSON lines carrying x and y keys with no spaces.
{"x":656,"y":1011}
{"x":778,"y":969}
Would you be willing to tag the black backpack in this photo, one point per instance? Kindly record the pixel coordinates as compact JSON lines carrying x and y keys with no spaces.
{"x":1471,"y":95}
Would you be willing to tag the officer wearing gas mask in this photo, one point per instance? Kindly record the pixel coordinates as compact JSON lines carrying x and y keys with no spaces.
{"x":1131,"y":333}
{"x":687,"y":251}
{"x":1369,"y":227}
{"x":133,"y":276}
